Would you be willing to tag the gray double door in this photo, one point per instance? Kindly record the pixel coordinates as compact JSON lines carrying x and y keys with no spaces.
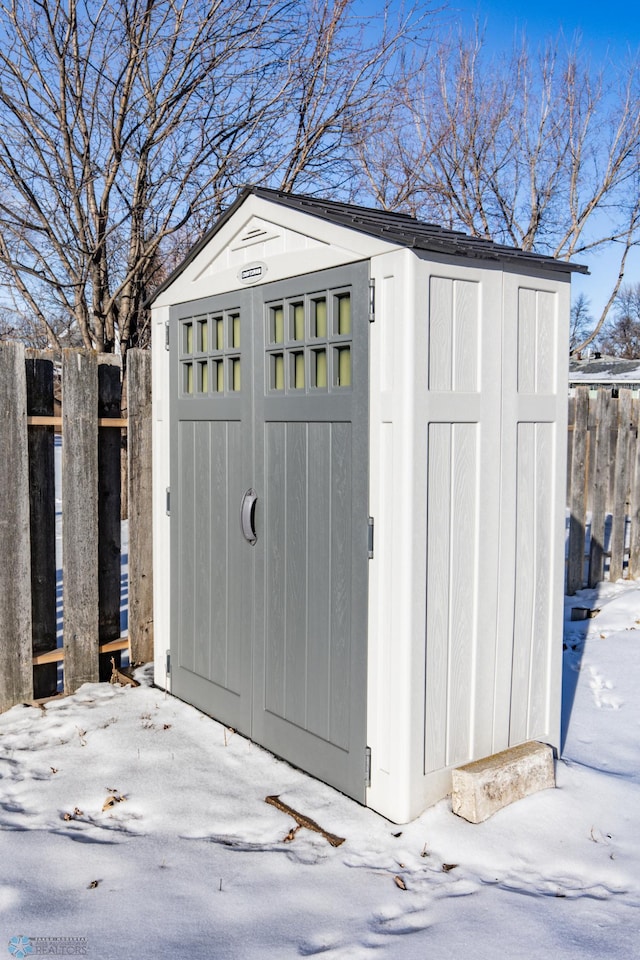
{"x":269,"y":516}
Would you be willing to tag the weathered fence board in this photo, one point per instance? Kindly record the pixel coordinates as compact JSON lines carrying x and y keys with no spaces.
{"x":604,"y":423}
{"x":621,"y":486}
{"x":39,"y":374}
{"x":80,"y":517}
{"x":577,"y":503}
{"x":16,"y":681}
{"x":140,"y":506}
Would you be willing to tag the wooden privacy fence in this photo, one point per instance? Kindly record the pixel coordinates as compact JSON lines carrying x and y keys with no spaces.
{"x":603,"y":487}
{"x":91,"y":424}
{"x":603,"y":496}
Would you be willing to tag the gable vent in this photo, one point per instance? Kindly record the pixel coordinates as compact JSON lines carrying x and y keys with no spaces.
{"x":256,"y":234}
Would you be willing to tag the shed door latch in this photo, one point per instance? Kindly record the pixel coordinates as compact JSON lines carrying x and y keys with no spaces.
{"x":168,"y":501}
{"x":166,"y":335}
{"x":372,"y":300}
{"x":370,"y":539}
{"x":367,"y":767}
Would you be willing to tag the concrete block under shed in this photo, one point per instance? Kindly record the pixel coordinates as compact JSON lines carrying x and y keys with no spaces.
{"x":485,"y":786}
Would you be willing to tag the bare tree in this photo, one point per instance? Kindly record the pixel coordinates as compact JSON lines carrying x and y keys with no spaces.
{"x":581,"y":321}
{"x":541,"y":153}
{"x":340,"y":73}
{"x":621,"y":334}
{"x":125,"y":126}
{"x":108,"y":112}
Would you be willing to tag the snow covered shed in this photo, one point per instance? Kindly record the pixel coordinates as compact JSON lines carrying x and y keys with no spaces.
{"x":359,"y":474}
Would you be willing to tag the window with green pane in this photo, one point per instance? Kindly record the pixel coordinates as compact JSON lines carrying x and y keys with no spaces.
{"x":296,"y":375}
{"x":319,"y":317}
{"x":203,"y":376}
{"x":342,"y":367}
{"x":342,"y":314}
{"x":276,"y":324}
{"x":187,"y":337}
{"x":217,"y":376}
{"x":219,"y":333}
{"x":319,"y":368}
{"x":276,"y":373}
{"x":203,"y":336}
{"x":234,"y":330}
{"x":234,"y":377}
{"x":296,"y":320}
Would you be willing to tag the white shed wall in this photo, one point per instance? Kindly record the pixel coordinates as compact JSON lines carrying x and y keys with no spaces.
{"x":468,"y":420}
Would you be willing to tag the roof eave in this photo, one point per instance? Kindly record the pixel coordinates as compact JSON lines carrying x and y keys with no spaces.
{"x":200,"y":244}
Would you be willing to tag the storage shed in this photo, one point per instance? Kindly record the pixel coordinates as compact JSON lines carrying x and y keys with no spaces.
{"x":359,"y":476}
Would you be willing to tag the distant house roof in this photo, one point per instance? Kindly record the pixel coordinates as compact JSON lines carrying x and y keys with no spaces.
{"x":399,"y":228}
{"x":604,"y":370}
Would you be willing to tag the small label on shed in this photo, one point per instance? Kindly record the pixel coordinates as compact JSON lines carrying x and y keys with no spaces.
{"x":252,"y":272}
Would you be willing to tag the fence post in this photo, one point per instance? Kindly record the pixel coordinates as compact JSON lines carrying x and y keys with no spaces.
{"x":42,"y":495}
{"x":80,"y":513}
{"x":16,"y":673}
{"x":620,"y":487}
{"x":140,"y":506}
{"x":577,"y":507}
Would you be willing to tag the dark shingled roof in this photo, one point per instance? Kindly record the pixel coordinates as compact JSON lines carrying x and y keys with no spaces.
{"x":399,"y":228}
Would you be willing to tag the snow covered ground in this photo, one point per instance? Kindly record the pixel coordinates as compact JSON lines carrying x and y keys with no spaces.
{"x":132,"y":821}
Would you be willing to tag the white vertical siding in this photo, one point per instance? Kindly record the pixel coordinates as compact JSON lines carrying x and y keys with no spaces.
{"x":528,"y":674}
{"x":461,"y":421}
{"x":473,"y":532}
{"x":452,"y":578}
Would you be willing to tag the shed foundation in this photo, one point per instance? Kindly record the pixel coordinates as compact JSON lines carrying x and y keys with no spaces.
{"x":485,"y":786}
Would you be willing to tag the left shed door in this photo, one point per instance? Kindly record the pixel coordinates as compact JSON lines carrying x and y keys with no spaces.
{"x":211,"y":466}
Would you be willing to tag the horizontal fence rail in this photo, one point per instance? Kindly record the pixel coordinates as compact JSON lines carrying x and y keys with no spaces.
{"x":603,"y":487}
{"x":79,"y":395}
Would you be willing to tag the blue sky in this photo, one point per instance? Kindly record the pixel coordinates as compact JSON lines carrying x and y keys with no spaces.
{"x":613,"y":26}
{"x":608,"y":30}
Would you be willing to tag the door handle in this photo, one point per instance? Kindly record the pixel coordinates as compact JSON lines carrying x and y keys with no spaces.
{"x":248,"y":516}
